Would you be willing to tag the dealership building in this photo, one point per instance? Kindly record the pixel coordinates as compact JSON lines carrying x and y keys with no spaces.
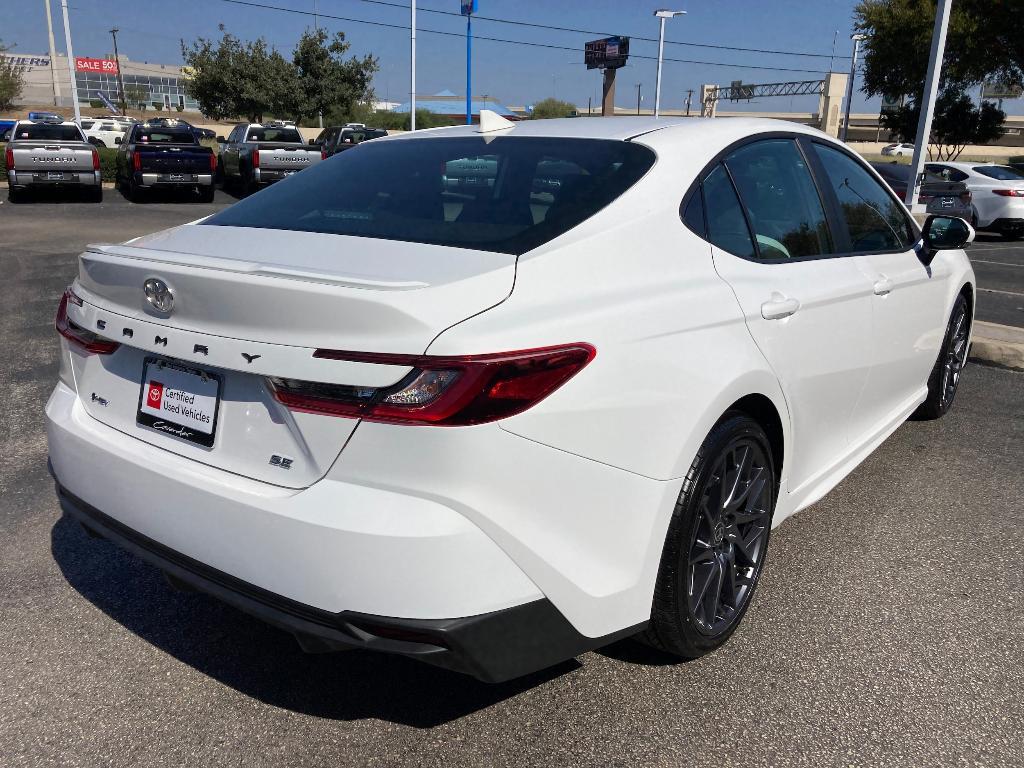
{"x":163,"y":83}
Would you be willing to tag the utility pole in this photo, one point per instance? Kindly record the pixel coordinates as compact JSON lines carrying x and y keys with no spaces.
{"x":53,"y":55}
{"x":316,"y":27}
{"x":662,"y":15}
{"x":849,"y":86}
{"x":412,"y":66}
{"x":931,"y":89}
{"x":469,"y":7}
{"x":71,"y":61}
{"x":638,"y":86}
{"x":689,"y":98}
{"x":120,"y":78}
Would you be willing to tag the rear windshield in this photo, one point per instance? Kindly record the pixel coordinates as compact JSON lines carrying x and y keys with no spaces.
{"x":502,"y":194}
{"x":42,"y":131}
{"x":165,"y":136}
{"x":1001,"y":172}
{"x":274,"y":134}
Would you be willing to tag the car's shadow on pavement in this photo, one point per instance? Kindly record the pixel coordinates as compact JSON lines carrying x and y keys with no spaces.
{"x":54,"y":196}
{"x":261,"y":661}
{"x":149,"y":196}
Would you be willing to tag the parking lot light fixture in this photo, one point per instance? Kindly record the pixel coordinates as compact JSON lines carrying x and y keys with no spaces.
{"x":661,"y":14}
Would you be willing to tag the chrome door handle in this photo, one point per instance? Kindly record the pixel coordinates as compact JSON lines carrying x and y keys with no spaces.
{"x":779,"y":307}
{"x":883,"y":286}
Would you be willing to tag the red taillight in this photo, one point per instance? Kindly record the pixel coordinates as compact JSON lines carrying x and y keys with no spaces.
{"x":136,"y":161}
{"x":76,"y":334}
{"x":1009,"y":192}
{"x":213,"y":163}
{"x":95,"y":159}
{"x":255,"y":158}
{"x":9,"y":159}
{"x":442,"y":391}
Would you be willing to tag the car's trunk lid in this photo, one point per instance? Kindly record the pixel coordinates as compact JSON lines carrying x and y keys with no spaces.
{"x":250,"y":304}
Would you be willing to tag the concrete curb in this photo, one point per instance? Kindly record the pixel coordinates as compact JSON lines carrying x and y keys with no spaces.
{"x":996,"y":344}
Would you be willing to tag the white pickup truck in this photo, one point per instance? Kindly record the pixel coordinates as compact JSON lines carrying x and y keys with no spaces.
{"x":45,"y":153}
{"x":255,"y":154}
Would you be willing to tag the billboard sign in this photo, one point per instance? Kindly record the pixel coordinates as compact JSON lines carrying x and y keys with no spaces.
{"x":26,"y":62}
{"x":1001,"y":90}
{"x":607,"y":53}
{"x":891,"y":103}
{"x":101,"y":66}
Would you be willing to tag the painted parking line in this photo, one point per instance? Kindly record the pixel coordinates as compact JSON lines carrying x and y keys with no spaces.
{"x":1004,"y":293}
{"x":1000,"y":263}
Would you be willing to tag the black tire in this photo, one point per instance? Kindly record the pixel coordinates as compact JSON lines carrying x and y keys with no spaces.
{"x":945,"y":375}
{"x":206,"y":194}
{"x":94,"y":194}
{"x":248,"y":185}
{"x":15,"y":195}
{"x":134,"y":193}
{"x":717,"y":541}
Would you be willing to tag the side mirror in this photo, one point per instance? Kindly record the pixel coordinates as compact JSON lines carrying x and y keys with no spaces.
{"x":118,"y":140}
{"x":222,"y":140}
{"x":944,"y":233}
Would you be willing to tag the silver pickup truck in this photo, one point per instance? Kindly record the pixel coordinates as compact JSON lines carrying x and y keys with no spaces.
{"x":49,"y":153}
{"x":255,"y":154}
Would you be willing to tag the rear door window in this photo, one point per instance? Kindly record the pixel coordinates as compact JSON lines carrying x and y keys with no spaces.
{"x":781,"y":201}
{"x":726,"y":224}
{"x":874,"y":220}
{"x":1000,"y":172}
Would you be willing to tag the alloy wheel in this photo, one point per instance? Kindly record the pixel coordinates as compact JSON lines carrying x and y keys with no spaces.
{"x":956,"y":354}
{"x":727,"y":551}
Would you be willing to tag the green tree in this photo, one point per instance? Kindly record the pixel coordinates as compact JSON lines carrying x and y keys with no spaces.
{"x":136,"y":95}
{"x":328,"y":82}
{"x":984,"y":42}
{"x":230,"y":78}
{"x":552,"y":107}
{"x":11,"y":80}
{"x":957,"y":123}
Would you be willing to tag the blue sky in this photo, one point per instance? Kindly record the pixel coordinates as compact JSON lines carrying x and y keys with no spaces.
{"x":515,"y":74}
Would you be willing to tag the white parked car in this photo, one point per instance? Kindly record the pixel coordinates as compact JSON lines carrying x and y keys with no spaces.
{"x":898,"y":150}
{"x":997,"y":192}
{"x":103,"y":133}
{"x":493,"y":424}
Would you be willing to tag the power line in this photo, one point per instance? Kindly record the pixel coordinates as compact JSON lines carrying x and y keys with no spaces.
{"x":266,"y":6}
{"x":606,"y":34}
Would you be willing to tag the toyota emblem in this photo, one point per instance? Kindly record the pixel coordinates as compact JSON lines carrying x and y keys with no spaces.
{"x":158,"y":294}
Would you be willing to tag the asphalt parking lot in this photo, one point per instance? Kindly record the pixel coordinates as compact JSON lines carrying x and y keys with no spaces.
{"x":887,"y":628}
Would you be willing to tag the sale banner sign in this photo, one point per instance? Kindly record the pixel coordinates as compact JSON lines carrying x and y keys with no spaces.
{"x":104,"y":66}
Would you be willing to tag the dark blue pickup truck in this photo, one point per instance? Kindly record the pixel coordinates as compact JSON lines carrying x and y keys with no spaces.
{"x":164,"y":157}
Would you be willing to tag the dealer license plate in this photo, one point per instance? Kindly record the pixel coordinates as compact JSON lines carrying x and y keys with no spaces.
{"x":179,"y":401}
{"x":178,"y":177}
{"x":54,"y":176}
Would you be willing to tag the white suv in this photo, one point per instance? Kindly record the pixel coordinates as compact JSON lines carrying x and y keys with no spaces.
{"x":490,"y":397}
{"x":103,"y":133}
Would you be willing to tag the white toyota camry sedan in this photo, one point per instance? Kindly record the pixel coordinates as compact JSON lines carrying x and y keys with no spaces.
{"x":491,"y":397}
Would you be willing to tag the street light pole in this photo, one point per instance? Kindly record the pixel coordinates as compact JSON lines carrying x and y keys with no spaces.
{"x":931,"y":89}
{"x":53,"y":55}
{"x":412,"y":66}
{"x":71,"y":61}
{"x":120,"y":78}
{"x":849,"y":86}
{"x":661,"y":15}
{"x":638,"y":86}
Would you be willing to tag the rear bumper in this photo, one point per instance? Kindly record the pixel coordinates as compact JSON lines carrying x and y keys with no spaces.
{"x":38,"y":179}
{"x":492,"y":647}
{"x":144,"y":179}
{"x":266,"y":175}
